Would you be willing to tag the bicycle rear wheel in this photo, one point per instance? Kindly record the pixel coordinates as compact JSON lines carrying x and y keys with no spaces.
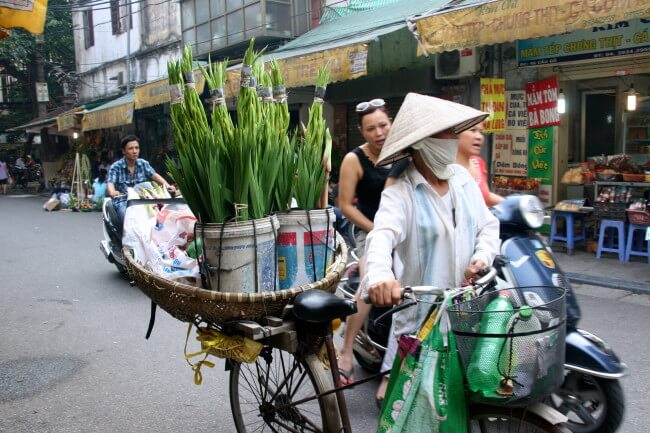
{"x":260,"y":393}
{"x":492,"y":419}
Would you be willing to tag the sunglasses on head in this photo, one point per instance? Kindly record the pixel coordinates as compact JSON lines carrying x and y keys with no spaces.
{"x":363,"y":106}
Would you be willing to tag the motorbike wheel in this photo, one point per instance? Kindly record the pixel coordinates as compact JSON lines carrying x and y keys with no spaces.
{"x":492,"y":419}
{"x":370,"y":364}
{"x":593,"y":405}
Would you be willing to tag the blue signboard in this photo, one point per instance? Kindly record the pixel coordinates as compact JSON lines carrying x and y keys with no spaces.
{"x":622,"y":38}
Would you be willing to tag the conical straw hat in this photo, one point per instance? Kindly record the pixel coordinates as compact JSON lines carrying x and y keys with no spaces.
{"x":421,"y":116}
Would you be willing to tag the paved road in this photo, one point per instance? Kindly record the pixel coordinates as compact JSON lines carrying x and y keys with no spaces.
{"x":73,"y":357}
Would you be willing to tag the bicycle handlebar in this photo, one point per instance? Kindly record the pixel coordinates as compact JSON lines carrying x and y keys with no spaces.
{"x":413,"y":292}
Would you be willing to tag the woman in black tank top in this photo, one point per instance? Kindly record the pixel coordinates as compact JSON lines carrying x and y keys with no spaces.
{"x":360,"y":179}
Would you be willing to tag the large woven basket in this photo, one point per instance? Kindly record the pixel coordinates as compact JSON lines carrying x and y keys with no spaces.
{"x":196,"y":305}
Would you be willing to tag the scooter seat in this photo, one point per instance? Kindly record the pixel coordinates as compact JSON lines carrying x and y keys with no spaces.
{"x":316,"y":306}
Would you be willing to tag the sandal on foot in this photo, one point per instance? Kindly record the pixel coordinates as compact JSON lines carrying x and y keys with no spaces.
{"x":346,"y":377}
{"x":379,"y":402}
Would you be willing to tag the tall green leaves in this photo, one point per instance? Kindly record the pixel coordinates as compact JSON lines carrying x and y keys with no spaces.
{"x":246,"y":169}
{"x":199,"y":172}
{"x":315,"y":151}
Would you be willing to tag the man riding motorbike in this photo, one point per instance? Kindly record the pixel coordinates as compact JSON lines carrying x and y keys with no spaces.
{"x":129,"y":171}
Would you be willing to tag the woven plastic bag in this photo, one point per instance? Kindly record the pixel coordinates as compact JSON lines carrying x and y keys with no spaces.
{"x":426,"y":389}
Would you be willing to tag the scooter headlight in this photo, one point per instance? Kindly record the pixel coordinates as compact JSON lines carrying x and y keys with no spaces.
{"x":532,"y":211}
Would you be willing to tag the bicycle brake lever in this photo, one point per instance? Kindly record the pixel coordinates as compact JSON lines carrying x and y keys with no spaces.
{"x":404,"y":305}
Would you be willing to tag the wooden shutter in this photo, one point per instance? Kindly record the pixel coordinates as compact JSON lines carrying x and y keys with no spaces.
{"x":89,"y":30}
{"x":115,"y":16}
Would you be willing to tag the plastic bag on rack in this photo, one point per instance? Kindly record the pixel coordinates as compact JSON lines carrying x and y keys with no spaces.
{"x":158,"y":238}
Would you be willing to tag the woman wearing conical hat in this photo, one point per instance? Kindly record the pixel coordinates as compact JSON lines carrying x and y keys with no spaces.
{"x":433,"y":216}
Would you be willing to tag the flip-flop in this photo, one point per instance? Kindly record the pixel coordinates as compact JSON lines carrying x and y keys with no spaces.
{"x":346,"y":377}
{"x":379,"y":402}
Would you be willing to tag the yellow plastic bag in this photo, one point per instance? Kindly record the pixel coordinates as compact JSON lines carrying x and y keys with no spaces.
{"x":213,"y":342}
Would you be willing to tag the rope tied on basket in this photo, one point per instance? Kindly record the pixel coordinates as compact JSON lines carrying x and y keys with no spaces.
{"x":213,"y":342}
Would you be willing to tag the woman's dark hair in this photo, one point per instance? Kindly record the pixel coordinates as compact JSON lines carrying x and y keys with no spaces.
{"x":370,"y":110}
{"x":102,"y":175}
{"x":128,"y":139}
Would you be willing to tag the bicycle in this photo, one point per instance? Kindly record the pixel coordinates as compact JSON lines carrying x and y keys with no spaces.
{"x":287,"y":388}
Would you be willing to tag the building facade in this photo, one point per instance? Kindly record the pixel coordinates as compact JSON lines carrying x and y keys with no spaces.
{"x":123,"y":44}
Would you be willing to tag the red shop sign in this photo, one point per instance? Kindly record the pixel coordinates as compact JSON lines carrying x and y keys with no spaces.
{"x":541,"y":99}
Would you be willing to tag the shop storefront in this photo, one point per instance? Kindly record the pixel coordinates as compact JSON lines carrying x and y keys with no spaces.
{"x":604,"y":74}
{"x":597,"y":59}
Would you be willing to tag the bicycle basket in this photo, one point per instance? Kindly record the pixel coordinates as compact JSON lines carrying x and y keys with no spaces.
{"x":511,"y":344}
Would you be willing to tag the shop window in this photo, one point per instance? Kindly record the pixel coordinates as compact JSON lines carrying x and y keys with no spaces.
{"x":231,"y":5}
{"x":253,"y":20}
{"x":219,"y":38}
{"x":217,"y":7}
{"x":203,"y":38}
{"x":89,"y":32}
{"x":278,"y":17}
{"x":202,"y":9}
{"x":188,"y":15}
{"x":189,"y":38}
{"x":301,"y":15}
{"x":235,"y":22}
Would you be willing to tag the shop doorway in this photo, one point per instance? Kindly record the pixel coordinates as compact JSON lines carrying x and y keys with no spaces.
{"x":598,"y":123}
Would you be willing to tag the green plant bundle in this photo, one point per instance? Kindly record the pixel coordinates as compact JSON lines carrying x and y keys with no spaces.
{"x":250,"y":168}
{"x":222,"y":126}
{"x":314,"y":151}
{"x":200,"y":172}
{"x":286,"y":154}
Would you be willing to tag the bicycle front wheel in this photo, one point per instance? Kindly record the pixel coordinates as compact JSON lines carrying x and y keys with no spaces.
{"x":492,"y":419}
{"x":262,"y":395}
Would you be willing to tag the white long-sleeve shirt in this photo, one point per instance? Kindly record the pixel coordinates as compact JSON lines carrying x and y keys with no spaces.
{"x":414,"y":221}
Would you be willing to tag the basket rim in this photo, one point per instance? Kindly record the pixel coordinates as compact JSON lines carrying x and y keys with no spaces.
{"x":335,"y":272}
{"x":455,"y":308}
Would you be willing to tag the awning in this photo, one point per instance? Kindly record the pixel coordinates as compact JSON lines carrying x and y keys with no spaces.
{"x":114,"y":113}
{"x":342,"y":42}
{"x":473,"y":23}
{"x":40,"y":122}
{"x":157,"y":92}
{"x":70,"y":119}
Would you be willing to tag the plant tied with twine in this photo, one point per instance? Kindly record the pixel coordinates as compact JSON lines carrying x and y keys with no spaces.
{"x":249,"y":169}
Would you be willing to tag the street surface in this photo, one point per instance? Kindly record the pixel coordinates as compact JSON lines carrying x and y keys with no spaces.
{"x":73,"y":357}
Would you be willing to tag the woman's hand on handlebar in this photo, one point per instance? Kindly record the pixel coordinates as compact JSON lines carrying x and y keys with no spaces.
{"x":474,"y":268}
{"x":385,"y":293}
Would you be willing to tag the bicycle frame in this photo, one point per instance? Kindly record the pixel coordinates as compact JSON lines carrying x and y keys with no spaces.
{"x":283,"y":334}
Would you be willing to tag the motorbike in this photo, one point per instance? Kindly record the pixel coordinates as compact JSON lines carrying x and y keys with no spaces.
{"x":112,"y":228}
{"x":591,"y":396}
{"x":22,"y":176}
{"x":111,"y":245}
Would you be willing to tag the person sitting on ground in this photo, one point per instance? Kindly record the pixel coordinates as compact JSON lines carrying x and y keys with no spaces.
{"x":99,"y":186}
{"x":129,"y":171}
{"x":469,"y":149}
{"x":433,"y":216}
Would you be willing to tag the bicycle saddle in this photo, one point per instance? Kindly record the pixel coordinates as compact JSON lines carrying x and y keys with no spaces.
{"x":316,"y":306}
